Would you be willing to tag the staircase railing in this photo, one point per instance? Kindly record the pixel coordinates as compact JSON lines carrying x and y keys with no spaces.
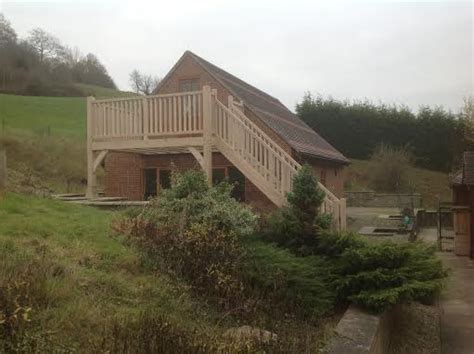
{"x":267,"y":158}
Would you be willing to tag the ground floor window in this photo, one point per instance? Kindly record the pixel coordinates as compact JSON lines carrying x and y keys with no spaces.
{"x":165,"y":179}
{"x":157,"y":179}
{"x":149,"y":176}
{"x":238,"y":180}
{"x":218,"y":175}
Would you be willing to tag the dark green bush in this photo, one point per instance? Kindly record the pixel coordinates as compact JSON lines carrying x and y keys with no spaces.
{"x":379,"y":275}
{"x":295,"y":225}
{"x":297,"y":284}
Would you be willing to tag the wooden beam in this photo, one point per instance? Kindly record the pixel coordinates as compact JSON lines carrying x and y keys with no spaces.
{"x":99,"y":159}
{"x":198,"y":157}
{"x":207,"y":108}
{"x":123,"y":144}
{"x":91,"y":176}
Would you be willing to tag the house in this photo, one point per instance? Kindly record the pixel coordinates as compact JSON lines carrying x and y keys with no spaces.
{"x":201,"y":116}
{"x":463,"y":203}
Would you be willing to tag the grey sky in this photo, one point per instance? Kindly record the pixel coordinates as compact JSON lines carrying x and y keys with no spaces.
{"x":412,"y":53}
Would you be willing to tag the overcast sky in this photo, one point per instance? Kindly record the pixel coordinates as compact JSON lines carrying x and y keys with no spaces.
{"x":413,"y":53}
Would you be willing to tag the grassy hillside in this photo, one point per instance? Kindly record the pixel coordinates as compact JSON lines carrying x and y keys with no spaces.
{"x":60,"y":116}
{"x":430,"y":184}
{"x":89,"y":291}
{"x":45,"y":140}
{"x":86,"y":279}
{"x":102,"y":92}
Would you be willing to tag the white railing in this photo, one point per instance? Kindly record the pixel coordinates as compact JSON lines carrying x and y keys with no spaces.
{"x":147,"y":117}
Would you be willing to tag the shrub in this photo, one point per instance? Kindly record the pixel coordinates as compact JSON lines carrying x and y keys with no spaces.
{"x":388,"y":167}
{"x":191,"y":201}
{"x":297,"y":285}
{"x":294,"y":226}
{"x":379,"y":275}
{"x":194,"y":230}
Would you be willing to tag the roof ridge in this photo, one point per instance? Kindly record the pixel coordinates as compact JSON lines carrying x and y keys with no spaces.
{"x":239,"y":81}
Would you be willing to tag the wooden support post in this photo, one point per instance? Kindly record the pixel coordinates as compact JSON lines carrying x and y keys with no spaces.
{"x":146,"y":119}
{"x":207,"y":108}
{"x":91,"y":175}
{"x":3,"y":172}
{"x":343,"y":214}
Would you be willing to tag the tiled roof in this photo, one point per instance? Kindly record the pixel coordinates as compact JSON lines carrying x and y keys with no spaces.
{"x":275,"y":115}
{"x":466,"y":174}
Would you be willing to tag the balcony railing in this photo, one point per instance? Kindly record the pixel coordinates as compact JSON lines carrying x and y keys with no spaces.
{"x":147,"y":117}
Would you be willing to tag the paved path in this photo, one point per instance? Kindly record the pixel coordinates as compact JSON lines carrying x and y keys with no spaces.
{"x":457,"y":306}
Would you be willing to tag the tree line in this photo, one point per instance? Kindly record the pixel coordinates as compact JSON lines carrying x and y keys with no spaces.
{"x":436,"y":137}
{"x":41,"y":65}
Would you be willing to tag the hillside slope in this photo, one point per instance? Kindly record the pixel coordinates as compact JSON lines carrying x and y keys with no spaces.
{"x":45,"y":139}
{"x":80,"y":281}
{"x":432,"y":185}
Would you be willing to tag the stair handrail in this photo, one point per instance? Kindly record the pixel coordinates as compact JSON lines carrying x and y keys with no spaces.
{"x":240,"y":115}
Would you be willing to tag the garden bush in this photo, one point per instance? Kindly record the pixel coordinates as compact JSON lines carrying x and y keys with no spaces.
{"x":193,"y":230}
{"x":377,"y":276}
{"x":295,"y":225}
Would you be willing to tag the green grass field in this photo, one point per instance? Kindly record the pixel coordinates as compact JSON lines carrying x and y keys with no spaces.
{"x":50,"y":116}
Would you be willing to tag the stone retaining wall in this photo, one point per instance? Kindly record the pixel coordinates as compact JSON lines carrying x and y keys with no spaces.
{"x":359,"y":332}
{"x":383,"y":200}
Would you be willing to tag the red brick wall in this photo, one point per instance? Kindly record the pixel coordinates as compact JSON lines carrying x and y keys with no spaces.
{"x":123,"y":175}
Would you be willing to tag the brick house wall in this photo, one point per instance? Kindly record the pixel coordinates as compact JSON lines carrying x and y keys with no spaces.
{"x":124,"y":175}
{"x":124,"y":171}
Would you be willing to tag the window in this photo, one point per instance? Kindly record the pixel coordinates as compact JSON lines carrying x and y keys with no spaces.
{"x":218,"y":175}
{"x":150,"y":187}
{"x":237,"y":179}
{"x":189,"y":85}
{"x":165,"y":179}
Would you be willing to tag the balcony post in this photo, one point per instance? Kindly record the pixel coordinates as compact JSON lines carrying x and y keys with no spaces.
{"x":91,"y":175}
{"x":207,"y":108}
{"x":146,"y":119}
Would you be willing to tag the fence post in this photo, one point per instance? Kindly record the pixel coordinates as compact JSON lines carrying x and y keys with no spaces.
{"x":207,"y":108}
{"x":91,"y":176}
{"x":3,"y":172}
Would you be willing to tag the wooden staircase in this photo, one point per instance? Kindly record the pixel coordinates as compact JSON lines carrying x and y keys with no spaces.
{"x":260,"y":159}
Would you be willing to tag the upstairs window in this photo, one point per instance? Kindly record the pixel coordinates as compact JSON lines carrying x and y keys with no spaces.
{"x":189,"y":85}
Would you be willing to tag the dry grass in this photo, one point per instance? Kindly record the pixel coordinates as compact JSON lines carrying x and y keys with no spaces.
{"x":432,"y":185}
{"x":416,"y":330}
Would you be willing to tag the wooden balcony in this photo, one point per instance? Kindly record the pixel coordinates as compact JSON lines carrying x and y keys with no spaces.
{"x":152,"y":124}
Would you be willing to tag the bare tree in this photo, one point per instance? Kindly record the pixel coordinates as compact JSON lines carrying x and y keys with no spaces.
{"x":144,"y":84}
{"x":45,"y":45}
{"x":136,"y":81}
{"x":7,"y":33}
{"x":71,"y":56}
